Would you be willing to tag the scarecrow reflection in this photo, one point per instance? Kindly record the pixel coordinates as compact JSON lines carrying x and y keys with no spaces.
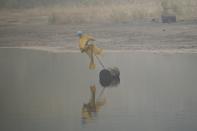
{"x":89,"y":110}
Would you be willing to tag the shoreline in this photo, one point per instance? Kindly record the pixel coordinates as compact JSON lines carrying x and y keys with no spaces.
{"x":64,"y":50}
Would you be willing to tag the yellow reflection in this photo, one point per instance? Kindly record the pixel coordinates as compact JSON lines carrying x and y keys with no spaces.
{"x":89,"y":110}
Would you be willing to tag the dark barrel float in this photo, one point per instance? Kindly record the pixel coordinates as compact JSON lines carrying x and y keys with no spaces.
{"x":109,"y":77}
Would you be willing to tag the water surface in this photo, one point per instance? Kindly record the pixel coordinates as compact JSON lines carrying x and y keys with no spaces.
{"x":45,"y":91}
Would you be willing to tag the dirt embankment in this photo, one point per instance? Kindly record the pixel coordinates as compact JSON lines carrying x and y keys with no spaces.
{"x":133,"y":35}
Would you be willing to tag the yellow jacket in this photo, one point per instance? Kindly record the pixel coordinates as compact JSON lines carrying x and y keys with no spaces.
{"x":89,"y":48}
{"x":83,"y":41}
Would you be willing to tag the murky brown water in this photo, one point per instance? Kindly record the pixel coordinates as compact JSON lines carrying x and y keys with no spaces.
{"x":45,"y":91}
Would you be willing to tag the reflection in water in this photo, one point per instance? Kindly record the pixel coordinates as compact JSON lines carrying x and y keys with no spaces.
{"x":89,"y":110}
{"x":108,"y":78}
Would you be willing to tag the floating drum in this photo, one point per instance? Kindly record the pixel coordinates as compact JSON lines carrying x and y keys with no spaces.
{"x":109,"y":77}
